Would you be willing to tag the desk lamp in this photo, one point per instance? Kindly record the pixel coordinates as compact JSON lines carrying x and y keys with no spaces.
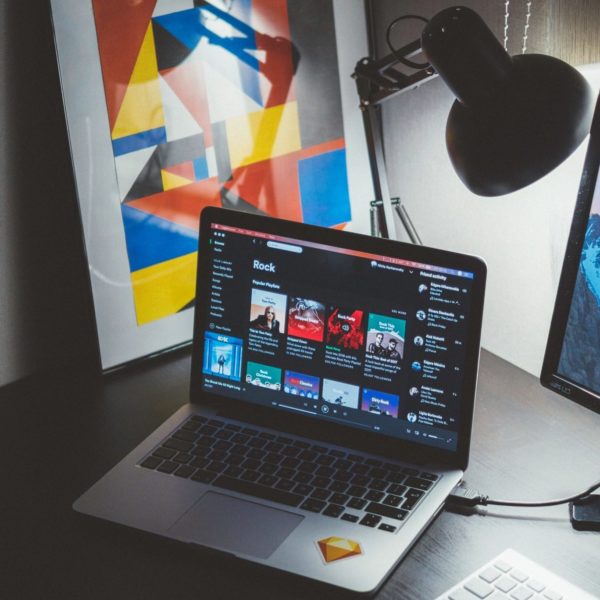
{"x":514,"y":119}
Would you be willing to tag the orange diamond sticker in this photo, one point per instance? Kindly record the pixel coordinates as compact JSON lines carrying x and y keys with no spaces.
{"x":335,"y":548}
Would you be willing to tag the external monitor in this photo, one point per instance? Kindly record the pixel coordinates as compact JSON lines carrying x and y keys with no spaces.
{"x":572,"y":360}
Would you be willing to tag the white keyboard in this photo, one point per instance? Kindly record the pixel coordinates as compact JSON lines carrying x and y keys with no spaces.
{"x":511,"y":576}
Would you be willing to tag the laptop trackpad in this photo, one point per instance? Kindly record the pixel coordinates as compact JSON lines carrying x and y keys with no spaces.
{"x":235,"y":525}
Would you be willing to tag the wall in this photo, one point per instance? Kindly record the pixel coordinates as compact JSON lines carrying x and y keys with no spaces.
{"x":522,"y":236}
{"x":45,"y":317}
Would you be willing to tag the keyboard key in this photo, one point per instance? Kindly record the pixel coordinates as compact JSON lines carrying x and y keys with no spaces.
{"x":370,"y":520}
{"x":490,"y":574}
{"x":151,"y":462}
{"x":321,"y":494}
{"x":285,"y":485}
{"x":536,"y":586}
{"x":505,"y":584}
{"x":186,"y":436}
{"x":223,"y":434}
{"x":378,"y":484}
{"x":519,"y":575}
{"x":199,"y":463}
{"x":233,"y":427}
{"x":184,"y":471}
{"x":216,"y":465}
{"x":412,"y":493}
{"x":479,"y":587}
{"x":183,"y":458}
{"x":386,"y":511}
{"x":374,"y":495}
{"x":338,"y":486}
{"x":339,"y":498}
{"x":302,"y":477}
{"x":216,"y":423}
{"x":378,"y":473}
{"x":268,"y":469}
{"x":350,"y":518}
{"x":250,"y":475}
{"x":164,"y":452}
{"x":410,"y":471}
{"x":273,"y":458}
{"x":249,"y":431}
{"x":268,"y":480}
{"x":388,"y":528}
{"x":258,"y":491}
{"x":357,"y":503}
{"x":303,"y":489}
{"x":176,"y":444}
{"x":313,"y":505}
{"x":325,"y":460}
{"x":418,"y":483}
{"x":337,"y":453}
{"x":167,"y":467}
{"x":333,"y":510}
{"x":203,"y":476}
{"x":552,"y":595}
{"x":396,"y":477}
{"x":521,"y":593}
{"x":430,"y":476}
{"x":356,"y":490}
{"x":322,"y":482}
{"x":392,"y":500}
{"x":233,"y":471}
{"x":396,"y":489}
{"x":374,"y":462}
{"x":257,"y":442}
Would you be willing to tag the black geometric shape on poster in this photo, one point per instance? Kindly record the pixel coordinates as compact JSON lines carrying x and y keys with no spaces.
{"x":181,"y":151}
{"x":221,"y":152}
{"x":170,"y":52}
{"x":312,"y":29}
{"x":231,"y":200}
{"x":149,"y":181}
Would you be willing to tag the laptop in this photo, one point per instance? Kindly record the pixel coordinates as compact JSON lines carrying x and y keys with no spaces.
{"x":331,"y":402}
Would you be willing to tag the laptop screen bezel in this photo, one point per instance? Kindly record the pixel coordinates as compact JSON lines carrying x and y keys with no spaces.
{"x":325,"y":430}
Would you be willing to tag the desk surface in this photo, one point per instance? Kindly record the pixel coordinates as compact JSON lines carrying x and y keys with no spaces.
{"x":58,"y":435}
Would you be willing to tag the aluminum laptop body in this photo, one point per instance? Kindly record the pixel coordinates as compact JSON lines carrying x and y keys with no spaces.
{"x":332,"y":392}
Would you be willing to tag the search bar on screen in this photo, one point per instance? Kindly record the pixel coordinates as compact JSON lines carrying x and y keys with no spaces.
{"x":286,"y":247}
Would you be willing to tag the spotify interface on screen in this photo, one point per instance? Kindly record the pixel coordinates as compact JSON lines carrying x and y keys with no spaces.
{"x":373,"y":342}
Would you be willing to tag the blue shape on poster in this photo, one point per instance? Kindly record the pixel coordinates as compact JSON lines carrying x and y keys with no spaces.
{"x":185,"y":25}
{"x":138,"y":141}
{"x":324,"y":190}
{"x":188,"y":27}
{"x":151,"y":240}
{"x":200,"y":169}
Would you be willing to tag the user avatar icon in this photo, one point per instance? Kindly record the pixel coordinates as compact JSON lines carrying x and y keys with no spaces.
{"x":421,"y":315}
{"x":414,"y":391}
{"x":419,"y":341}
{"x":411,"y":416}
{"x":422,"y":288}
{"x":416,"y":366}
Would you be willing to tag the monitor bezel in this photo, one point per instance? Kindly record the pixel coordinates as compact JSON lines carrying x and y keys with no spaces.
{"x":329,"y":431}
{"x":549,"y":376}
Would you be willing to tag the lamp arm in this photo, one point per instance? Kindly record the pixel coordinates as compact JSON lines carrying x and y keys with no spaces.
{"x":376,"y":82}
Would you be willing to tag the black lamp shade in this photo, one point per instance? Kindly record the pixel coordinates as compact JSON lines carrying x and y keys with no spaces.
{"x":515,"y":119}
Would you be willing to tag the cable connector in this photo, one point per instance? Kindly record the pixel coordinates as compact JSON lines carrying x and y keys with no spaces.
{"x":462,"y":496}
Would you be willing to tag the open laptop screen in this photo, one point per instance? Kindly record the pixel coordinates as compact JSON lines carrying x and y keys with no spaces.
{"x":373,"y":341}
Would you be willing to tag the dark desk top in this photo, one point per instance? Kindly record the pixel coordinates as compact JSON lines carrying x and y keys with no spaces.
{"x":58,"y":435}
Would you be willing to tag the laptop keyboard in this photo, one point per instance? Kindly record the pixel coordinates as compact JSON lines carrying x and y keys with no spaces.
{"x":291,"y":471}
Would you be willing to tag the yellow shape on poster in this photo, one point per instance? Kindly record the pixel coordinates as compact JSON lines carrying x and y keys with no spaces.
{"x":162,"y":289}
{"x":263,"y":134}
{"x":171,"y":181}
{"x":142,"y":108}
